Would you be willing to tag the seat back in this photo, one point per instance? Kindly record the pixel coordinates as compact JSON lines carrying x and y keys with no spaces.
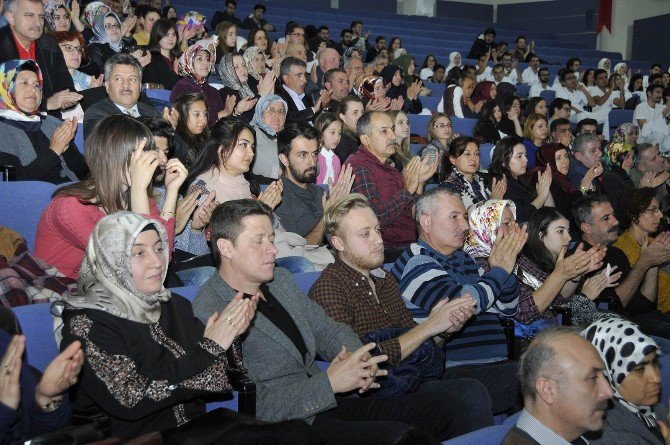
{"x":305,"y":280}
{"x":38,"y":327}
{"x":464,"y":126}
{"x":22,"y":204}
{"x":418,"y":123}
{"x":618,"y":117}
{"x":548,"y":96}
{"x":79,"y":138}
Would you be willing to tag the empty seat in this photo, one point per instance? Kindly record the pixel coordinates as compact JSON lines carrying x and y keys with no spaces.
{"x":418,"y":123}
{"x":23,"y":203}
{"x":618,"y":117}
{"x":464,"y":126}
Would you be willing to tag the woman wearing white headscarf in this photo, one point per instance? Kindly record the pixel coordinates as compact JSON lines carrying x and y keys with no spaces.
{"x":455,"y":60}
{"x":622,"y":69}
{"x":108,"y":38}
{"x":605,"y":64}
{"x":148,"y":360}
{"x":631,"y":367}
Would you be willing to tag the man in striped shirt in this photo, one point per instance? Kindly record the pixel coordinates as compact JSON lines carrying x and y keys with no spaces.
{"x":437,"y":267}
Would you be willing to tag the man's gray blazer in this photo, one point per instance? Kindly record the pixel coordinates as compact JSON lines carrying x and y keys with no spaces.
{"x":287,"y":387}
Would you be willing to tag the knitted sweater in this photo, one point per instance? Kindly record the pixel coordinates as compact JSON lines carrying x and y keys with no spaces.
{"x":425,"y":277}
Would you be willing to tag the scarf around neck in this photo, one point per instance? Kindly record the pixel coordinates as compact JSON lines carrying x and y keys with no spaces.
{"x":105,"y":280}
{"x":229,"y":77}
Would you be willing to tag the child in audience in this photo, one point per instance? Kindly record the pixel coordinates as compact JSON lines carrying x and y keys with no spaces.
{"x":329,"y":127}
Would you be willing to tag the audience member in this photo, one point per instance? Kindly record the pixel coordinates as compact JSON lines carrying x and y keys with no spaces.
{"x":59,"y":18}
{"x":109,"y":38}
{"x":131,"y":326}
{"x":632,"y":370}
{"x":456,"y":99}
{"x":391,"y":193}
{"x":91,"y":11}
{"x":226,"y":33}
{"x":587,"y":153}
{"x":437,"y":268}
{"x":639,"y":215}
{"x":303,"y":202}
{"x":589,"y":78}
{"x":564,"y":389}
{"x":350,"y":110}
{"x":322,"y":39}
{"x":559,"y":109}
{"x":38,"y":146}
{"x":301,"y":108}
{"x":269,"y":119}
{"x":146,"y":19}
{"x":650,"y":111}
{"x":329,"y":128}
{"x":531,"y":75}
{"x":227,"y":15}
{"x":548,"y":279}
{"x":33,"y":403}
{"x":486,"y":130}
{"x":344,"y":290}
{"x":123,"y":79}
{"x":163,"y":45}
{"x":403,"y":154}
{"x":536,"y":105}
{"x":618,"y":158}
{"x":578,"y":96}
{"x":587,"y":126}
{"x":509,"y":161}
{"x":280,"y":348}
{"x":397,"y":90}
{"x":536,"y":132}
{"x":73,"y":46}
{"x":460,"y":165}
{"x":440,"y":135}
{"x":637,"y":291}
{"x":336,"y":82}
{"x":234,"y":76}
{"x":561,"y":131}
{"x":510,"y":121}
{"x":255,"y":60}
{"x":485,"y":91}
{"x":194,"y":66}
{"x":192,"y":131}
{"x":483,"y":44}
{"x":606,"y":97}
{"x":256,"y":19}
{"x":23,"y":39}
{"x":542,"y":83}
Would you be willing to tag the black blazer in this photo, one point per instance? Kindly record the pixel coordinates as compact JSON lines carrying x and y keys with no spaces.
{"x":49,"y":58}
{"x":295,"y":115}
{"x":106,"y":108}
{"x":158,"y":71}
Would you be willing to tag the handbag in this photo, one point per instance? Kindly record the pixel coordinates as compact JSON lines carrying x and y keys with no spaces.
{"x":424,"y":363}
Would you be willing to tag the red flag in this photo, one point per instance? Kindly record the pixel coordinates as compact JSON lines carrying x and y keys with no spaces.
{"x":605,"y":15}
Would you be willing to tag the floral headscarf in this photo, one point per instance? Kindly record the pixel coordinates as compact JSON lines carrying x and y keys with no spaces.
{"x":92,"y":10}
{"x":192,"y":19}
{"x":249,"y":55}
{"x":263,"y":104}
{"x":622,"y":346}
{"x":485,"y":217}
{"x":100,"y":33}
{"x":105,"y":280}
{"x":615,"y":153}
{"x":229,"y":77}
{"x":185,"y":64}
{"x":623,"y":131}
{"x":50,"y":8}
{"x":8,"y":73}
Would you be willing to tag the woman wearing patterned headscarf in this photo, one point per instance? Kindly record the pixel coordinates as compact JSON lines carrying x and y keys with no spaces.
{"x":234,"y":76}
{"x":195,"y":65}
{"x":38,"y":145}
{"x":58,"y":17}
{"x":91,"y":11}
{"x":255,"y":60}
{"x":631,"y":368}
{"x":484,"y":219}
{"x":148,"y":360}
{"x":269,"y":119}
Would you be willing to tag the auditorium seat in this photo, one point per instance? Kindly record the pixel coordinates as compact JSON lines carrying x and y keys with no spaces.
{"x":22,"y":204}
{"x":464,"y":126}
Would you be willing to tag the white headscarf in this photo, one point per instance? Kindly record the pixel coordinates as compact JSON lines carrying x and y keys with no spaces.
{"x":452,"y":57}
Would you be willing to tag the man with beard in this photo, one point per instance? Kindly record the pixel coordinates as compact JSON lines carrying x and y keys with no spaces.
{"x":353,"y":290}
{"x":542,"y":83}
{"x":303,"y":202}
{"x":637,"y":291}
{"x":390,"y":192}
{"x":651,"y":109}
{"x":564,"y":389}
{"x":437,"y":268}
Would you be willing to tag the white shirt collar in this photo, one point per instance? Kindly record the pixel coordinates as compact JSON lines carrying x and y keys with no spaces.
{"x":297,"y":98}
{"x":133,"y":110}
{"x":538,"y":431}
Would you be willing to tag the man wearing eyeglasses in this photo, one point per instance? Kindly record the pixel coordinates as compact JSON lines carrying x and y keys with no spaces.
{"x":23,"y":39}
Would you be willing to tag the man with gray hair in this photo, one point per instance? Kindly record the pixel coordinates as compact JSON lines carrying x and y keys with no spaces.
{"x":390,"y":192}
{"x":564,"y":389}
{"x":437,"y":268}
{"x":23,"y":38}
{"x":587,"y":152}
{"x":649,"y":170}
{"x":301,"y":107}
{"x":123,"y":79}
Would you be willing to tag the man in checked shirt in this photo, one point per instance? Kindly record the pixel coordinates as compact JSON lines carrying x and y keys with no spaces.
{"x":390,"y":192}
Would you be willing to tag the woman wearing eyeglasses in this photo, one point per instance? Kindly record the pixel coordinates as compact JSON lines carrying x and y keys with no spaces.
{"x":440,"y":135}
{"x":639,"y":214}
{"x":109,"y":37}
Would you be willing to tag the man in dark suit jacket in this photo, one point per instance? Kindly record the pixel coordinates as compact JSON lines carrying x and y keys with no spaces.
{"x":564,"y":389}
{"x":123,"y":78}
{"x":301,"y":107}
{"x":23,"y":38}
{"x":227,"y":16}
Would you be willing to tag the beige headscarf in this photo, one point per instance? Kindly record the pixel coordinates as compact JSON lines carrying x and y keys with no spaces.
{"x":105,"y":281}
